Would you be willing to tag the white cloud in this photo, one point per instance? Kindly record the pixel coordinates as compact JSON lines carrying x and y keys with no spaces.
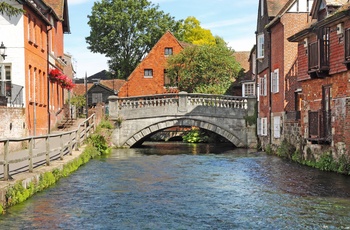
{"x":242,"y":43}
{"x":224,"y":23}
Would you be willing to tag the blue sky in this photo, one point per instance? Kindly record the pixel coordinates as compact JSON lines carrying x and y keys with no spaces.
{"x":233,"y":20}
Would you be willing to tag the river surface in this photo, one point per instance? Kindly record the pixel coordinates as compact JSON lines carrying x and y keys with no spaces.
{"x":184,"y":186}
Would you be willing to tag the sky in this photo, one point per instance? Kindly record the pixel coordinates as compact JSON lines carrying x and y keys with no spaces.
{"x":233,"y":20}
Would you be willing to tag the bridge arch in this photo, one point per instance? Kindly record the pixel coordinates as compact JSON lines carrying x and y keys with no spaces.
{"x":139,"y":136}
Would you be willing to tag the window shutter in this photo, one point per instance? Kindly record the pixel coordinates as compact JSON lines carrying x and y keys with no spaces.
{"x":277,"y":80}
{"x":277,"y":127}
{"x":258,"y":128}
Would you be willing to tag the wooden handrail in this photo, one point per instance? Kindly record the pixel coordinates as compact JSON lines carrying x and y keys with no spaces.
{"x":79,"y":135}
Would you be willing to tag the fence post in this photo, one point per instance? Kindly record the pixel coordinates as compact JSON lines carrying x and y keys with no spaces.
{"x":47,"y":150}
{"x":6,"y":165}
{"x":31,"y":155}
{"x":61,"y":147}
{"x":70,"y":144}
{"x":94,"y":122}
{"x":85,"y":130}
{"x":77,"y":141}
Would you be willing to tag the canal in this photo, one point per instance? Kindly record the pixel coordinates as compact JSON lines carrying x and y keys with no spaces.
{"x":184,"y":186}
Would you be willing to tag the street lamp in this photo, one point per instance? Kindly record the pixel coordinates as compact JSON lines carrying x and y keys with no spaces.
{"x":3,"y":50}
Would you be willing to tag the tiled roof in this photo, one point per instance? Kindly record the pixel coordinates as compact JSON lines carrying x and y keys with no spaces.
{"x":57,"y":6}
{"x":274,"y":6}
{"x":242,"y":58}
{"x":114,"y":84}
{"x":79,"y":89}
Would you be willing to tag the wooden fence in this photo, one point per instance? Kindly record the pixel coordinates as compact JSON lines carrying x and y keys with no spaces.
{"x":42,"y":150}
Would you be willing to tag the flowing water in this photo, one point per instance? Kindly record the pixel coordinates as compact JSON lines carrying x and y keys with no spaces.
{"x":183,"y":186}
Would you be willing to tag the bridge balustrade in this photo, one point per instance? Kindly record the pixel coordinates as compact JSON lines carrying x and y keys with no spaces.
{"x":161,"y":100}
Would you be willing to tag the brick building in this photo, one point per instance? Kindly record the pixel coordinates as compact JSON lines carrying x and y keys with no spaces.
{"x":275,"y":59}
{"x":149,"y":77}
{"x":38,"y":47}
{"x":323,"y":74}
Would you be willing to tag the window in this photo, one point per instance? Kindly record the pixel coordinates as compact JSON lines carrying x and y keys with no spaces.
{"x":262,"y":7}
{"x":248,"y":89}
{"x":148,"y":73}
{"x":5,"y":80}
{"x":168,"y":51}
{"x":263,"y":86}
{"x":29,"y":29}
{"x":347,"y":45}
{"x":261,"y":46}
{"x":275,"y":81}
{"x":277,"y":127}
{"x":318,"y":54}
{"x":96,"y":98}
{"x":262,"y":129}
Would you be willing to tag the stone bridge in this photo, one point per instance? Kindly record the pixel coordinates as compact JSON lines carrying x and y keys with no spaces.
{"x":137,"y":118}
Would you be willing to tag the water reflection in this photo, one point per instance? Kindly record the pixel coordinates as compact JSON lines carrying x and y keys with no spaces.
{"x":182,"y":186}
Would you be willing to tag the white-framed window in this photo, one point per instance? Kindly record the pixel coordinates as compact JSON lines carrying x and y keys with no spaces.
{"x":260,"y":46}
{"x":96,"y":98}
{"x":262,"y":126}
{"x":263,"y":86}
{"x":277,"y":127}
{"x":275,"y":81}
{"x":5,"y":80}
{"x":168,"y":51}
{"x":248,"y":89}
{"x":148,"y":73}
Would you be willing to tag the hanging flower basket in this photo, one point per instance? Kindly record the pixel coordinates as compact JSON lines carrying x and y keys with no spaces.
{"x":61,"y":79}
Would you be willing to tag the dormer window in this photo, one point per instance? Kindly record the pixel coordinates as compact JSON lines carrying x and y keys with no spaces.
{"x":168,"y":51}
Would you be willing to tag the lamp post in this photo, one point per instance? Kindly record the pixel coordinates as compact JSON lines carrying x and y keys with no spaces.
{"x":3,"y":50}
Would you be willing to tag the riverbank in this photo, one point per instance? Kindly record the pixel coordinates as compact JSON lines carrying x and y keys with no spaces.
{"x":24,"y":185}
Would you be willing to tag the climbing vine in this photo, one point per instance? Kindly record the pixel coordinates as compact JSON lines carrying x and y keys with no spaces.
{"x":9,"y":10}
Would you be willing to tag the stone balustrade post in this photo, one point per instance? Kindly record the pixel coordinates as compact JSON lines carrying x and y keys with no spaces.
{"x":113,"y":106}
{"x":183,"y":101}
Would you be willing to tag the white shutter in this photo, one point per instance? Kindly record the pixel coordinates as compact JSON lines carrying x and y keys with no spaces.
{"x":277,"y":77}
{"x":277,"y":127}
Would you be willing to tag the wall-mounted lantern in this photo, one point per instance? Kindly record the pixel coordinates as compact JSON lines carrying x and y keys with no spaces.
{"x":3,"y":50}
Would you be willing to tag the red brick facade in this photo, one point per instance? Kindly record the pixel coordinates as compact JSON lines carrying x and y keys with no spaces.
{"x":325,"y":91}
{"x":138,"y":84}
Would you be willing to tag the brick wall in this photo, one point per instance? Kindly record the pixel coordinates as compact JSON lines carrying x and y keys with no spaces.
{"x":13,"y":125}
{"x":137,"y":84}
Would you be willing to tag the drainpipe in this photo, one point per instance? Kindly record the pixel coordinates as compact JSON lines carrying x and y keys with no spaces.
{"x":48,"y":80}
{"x":269,"y":87}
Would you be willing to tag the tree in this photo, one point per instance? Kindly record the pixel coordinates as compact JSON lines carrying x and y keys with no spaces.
{"x":193,"y":33}
{"x":204,"y":69}
{"x":126,"y":30}
{"x":10,"y":10}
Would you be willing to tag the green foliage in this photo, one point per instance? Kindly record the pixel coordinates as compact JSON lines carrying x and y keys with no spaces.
{"x":203,"y":69}
{"x":99,"y":142}
{"x":193,"y":33}
{"x":78,"y":101}
{"x":17,"y":194}
{"x":105,"y":124}
{"x":285,"y":149}
{"x":126,"y":30}
{"x":268,"y":149}
{"x":195,"y":136}
{"x":10,"y":10}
